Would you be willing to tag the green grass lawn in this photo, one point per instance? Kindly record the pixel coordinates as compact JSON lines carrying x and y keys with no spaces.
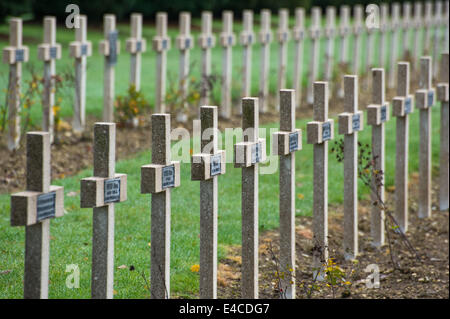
{"x":71,"y":234}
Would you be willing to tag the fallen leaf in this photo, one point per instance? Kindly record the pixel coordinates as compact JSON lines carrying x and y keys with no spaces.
{"x":122,"y":267}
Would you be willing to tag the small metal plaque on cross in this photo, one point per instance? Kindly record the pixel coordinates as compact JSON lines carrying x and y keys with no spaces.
{"x":187,"y":44}
{"x":326,"y":131}
{"x":53,"y":52}
{"x":293,"y":142}
{"x":84,"y":49}
{"x":138,"y":46}
{"x":230,"y":40}
{"x":256,"y":153}
{"x":216,"y":164}
{"x":430,"y":98}
{"x":20,"y":55}
{"x":383,"y":113}
{"x":168,"y":176}
{"x":408,"y":105}
{"x":164,"y":44}
{"x":112,"y":190}
{"x":356,"y":122}
{"x":46,"y":206}
{"x":112,"y":39}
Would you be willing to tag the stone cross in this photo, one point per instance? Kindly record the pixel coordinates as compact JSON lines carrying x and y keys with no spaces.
{"x":80,"y":49}
{"x":406,"y":27}
{"x":445,"y":22}
{"x":329,"y":35}
{"x":319,"y":132}
{"x":314,"y":33}
{"x":161,"y":43}
{"x":377,"y":115}
{"x":443,"y":97}
{"x":48,"y":52}
{"x":299,"y":36}
{"x":370,"y":47}
{"x":265,"y":38}
{"x":402,"y":106}
{"x":206,"y":167}
{"x":437,"y":40}
{"x":384,"y":28}
{"x":417,"y":23}
{"x":344,"y":32}
{"x":247,"y":155}
{"x":110,"y":48}
{"x":157,"y":179}
{"x":206,"y":42}
{"x":184,"y":43}
{"x":393,"y":48}
{"x":247,"y":38}
{"x":283,"y":35}
{"x":285,"y":143}
{"x":100,"y":193}
{"x":227,"y":41}
{"x":425,"y":99}
{"x":350,"y":122}
{"x":14,"y":55}
{"x":358,"y":28}
{"x":427,"y":23}
{"x":136,"y":45}
{"x":33,"y":209}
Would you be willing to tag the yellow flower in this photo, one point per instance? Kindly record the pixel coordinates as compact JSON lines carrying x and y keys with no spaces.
{"x":300,"y":196}
{"x":348,"y":283}
{"x":195,"y":268}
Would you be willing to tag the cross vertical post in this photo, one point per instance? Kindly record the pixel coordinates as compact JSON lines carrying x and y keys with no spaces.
{"x":443,"y":97}
{"x":427,"y":24}
{"x":247,"y":38}
{"x":402,"y":106}
{"x":344,"y":32}
{"x":329,"y":35}
{"x":299,"y":38}
{"x":161,"y":43}
{"x":285,"y":143}
{"x":136,"y":45}
{"x":227,"y":41}
{"x":48,"y":52}
{"x":206,"y":41}
{"x":395,"y":27}
{"x":384,"y":28}
{"x":417,"y":24}
{"x":80,"y":49}
{"x":319,"y":132}
{"x":437,"y":40}
{"x":314,"y":33}
{"x":377,"y":115}
{"x":283,"y":36}
{"x":425,"y":99}
{"x":14,"y":55}
{"x":265,"y":38}
{"x":358,"y":27}
{"x":350,"y":122}
{"x":406,"y":27}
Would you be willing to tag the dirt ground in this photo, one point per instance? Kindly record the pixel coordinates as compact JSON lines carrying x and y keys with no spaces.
{"x":426,"y":277}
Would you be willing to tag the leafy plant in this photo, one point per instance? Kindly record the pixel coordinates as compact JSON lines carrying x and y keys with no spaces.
{"x":130,"y":106}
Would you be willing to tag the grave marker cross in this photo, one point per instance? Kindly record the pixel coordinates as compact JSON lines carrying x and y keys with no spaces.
{"x":330,"y":32}
{"x":350,"y":122}
{"x":406,"y":27}
{"x":299,"y":36}
{"x":33,"y":209}
{"x":101,"y":192}
{"x":206,"y":167}
{"x":417,"y":23}
{"x":344,"y":32}
{"x":395,"y":26}
{"x":157,"y":179}
{"x":80,"y":49}
{"x":48,"y":52}
{"x":206,"y":42}
{"x":227,"y":41}
{"x":110,"y":48}
{"x":425,"y":96}
{"x":283,"y":35}
{"x":315,"y":34}
{"x":247,"y":155}
{"x":384,"y":28}
{"x":265,"y":38}
{"x":161,"y":43}
{"x":247,"y":38}
{"x":358,"y":27}
{"x":402,"y":106}
{"x":377,"y":115}
{"x":136,"y":45}
{"x":14,"y":55}
{"x":285,"y":143}
{"x":319,"y":132}
{"x":437,"y":40}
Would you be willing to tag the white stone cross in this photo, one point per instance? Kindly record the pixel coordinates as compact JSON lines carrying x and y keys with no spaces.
{"x":14,"y":55}
{"x":299,"y":37}
{"x":265,"y":38}
{"x":101,"y":192}
{"x":80,"y":49}
{"x":330,"y":32}
{"x":393,"y":48}
{"x":314,"y":33}
{"x":161,"y":43}
{"x":227,"y":41}
{"x":427,"y":23}
{"x":247,"y":38}
{"x":247,"y":155}
{"x":437,"y":40}
{"x":384,"y":28}
{"x":33,"y":209}
{"x":158,"y":179}
{"x":443,"y":97}
{"x":206,"y":42}
{"x":283,"y":36}
{"x":184,"y":43}
{"x":358,"y":28}
{"x":425,"y":99}
{"x":445,"y":22}
{"x":136,"y":45}
{"x":110,"y":48}
{"x":377,"y":115}
{"x":319,"y":132}
{"x":350,"y":122}
{"x":406,"y":27}
{"x":48,"y":52}
{"x":285,"y":143}
{"x":344,"y":32}
{"x":206,"y":167}
{"x":402,"y":106}
{"x":417,"y":23}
